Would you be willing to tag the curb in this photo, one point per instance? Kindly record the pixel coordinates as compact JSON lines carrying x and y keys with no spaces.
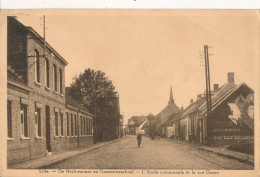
{"x":249,"y":162}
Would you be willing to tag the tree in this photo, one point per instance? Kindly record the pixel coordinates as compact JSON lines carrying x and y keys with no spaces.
{"x":153,"y":127}
{"x":95,"y":91}
{"x":90,"y":85}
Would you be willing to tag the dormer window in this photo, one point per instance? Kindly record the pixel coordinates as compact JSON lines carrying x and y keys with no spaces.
{"x":37,"y":66}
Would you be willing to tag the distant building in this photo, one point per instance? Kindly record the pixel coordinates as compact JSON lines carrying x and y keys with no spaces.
{"x":170,"y":110}
{"x":136,"y":124}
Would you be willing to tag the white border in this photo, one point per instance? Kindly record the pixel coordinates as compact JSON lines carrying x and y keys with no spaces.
{"x":133,"y":4}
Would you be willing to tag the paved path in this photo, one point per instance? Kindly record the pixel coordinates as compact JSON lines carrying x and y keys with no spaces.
{"x":158,"y":154}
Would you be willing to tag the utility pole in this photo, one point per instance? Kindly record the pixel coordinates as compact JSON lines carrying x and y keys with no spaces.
{"x":44,"y":43}
{"x":208,"y":94}
{"x":95,"y":120}
{"x":119,"y":116}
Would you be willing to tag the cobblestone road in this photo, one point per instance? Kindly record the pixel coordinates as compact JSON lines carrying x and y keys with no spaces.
{"x":157,"y":154}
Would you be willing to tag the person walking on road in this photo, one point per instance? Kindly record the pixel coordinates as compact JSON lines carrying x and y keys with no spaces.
{"x":139,"y":139}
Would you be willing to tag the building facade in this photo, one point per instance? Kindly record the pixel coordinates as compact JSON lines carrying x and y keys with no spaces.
{"x":231,"y":118}
{"x":232,"y":114}
{"x":135,"y":124}
{"x":36,"y":96}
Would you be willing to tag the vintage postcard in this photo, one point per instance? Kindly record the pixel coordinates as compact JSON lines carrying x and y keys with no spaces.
{"x":130,"y":92}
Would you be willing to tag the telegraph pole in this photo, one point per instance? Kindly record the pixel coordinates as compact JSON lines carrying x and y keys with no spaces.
{"x":208,"y":94}
{"x":44,"y":45}
{"x":95,"y":116}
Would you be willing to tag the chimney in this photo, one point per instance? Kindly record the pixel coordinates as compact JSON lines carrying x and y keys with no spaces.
{"x":215,"y":87}
{"x":231,"y":77}
{"x":191,"y":101}
{"x":182,"y":108}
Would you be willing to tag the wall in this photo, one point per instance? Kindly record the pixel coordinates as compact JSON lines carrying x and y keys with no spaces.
{"x":18,"y":149}
{"x":78,"y":140}
{"x":184,"y":128}
{"x":16,"y":47}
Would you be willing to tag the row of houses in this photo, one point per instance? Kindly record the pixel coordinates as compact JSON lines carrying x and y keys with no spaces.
{"x":231,"y":118}
{"x":42,"y":117}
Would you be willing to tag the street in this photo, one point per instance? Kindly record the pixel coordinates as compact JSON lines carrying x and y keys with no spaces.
{"x":157,"y":154}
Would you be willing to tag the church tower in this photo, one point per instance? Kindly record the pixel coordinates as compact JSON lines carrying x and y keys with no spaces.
{"x":171,"y":101}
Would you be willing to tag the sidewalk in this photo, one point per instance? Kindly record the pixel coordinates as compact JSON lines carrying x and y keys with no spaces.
{"x":241,"y":157}
{"x":48,"y":160}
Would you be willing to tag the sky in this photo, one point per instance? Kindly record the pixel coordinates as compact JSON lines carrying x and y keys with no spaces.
{"x":145,"y":52}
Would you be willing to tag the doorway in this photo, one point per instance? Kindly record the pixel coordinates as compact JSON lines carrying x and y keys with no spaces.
{"x":48,"y":129}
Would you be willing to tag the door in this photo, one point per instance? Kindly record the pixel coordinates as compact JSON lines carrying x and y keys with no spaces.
{"x":48,"y":129}
{"x":201,"y":131}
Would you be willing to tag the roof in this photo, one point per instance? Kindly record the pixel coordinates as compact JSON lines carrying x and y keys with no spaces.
{"x":137,"y":120}
{"x":38,"y":36}
{"x":74,"y":104}
{"x":193,"y":107}
{"x":169,"y":110}
{"x":222,"y":95}
{"x":145,"y":126}
{"x":16,"y":80}
{"x":12,"y":75}
{"x":190,"y":108}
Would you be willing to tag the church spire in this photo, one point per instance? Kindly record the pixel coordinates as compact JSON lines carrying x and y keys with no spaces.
{"x":171,"y":101}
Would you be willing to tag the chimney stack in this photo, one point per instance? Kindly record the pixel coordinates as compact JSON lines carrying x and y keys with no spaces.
{"x":191,"y":101}
{"x":182,"y":108}
{"x":231,"y":77}
{"x":215,"y":87}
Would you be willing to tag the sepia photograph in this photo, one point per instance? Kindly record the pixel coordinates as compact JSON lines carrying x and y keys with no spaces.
{"x":129,"y":91}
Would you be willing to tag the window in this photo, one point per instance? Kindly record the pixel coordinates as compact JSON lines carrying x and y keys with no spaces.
{"x":72,"y":131}
{"x":9,"y":119}
{"x":56,"y":124}
{"x":38,"y":122}
{"x":55,"y":78}
{"x":76,"y":125}
{"x":81,"y":125}
{"x":68,"y":124}
{"x":91,"y":126}
{"x":87,"y":126}
{"x":61,"y":124}
{"x":24,"y":128}
{"x":37,"y":66}
{"x":61,"y":87}
{"x":47,"y":73}
{"x":84,"y":125}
